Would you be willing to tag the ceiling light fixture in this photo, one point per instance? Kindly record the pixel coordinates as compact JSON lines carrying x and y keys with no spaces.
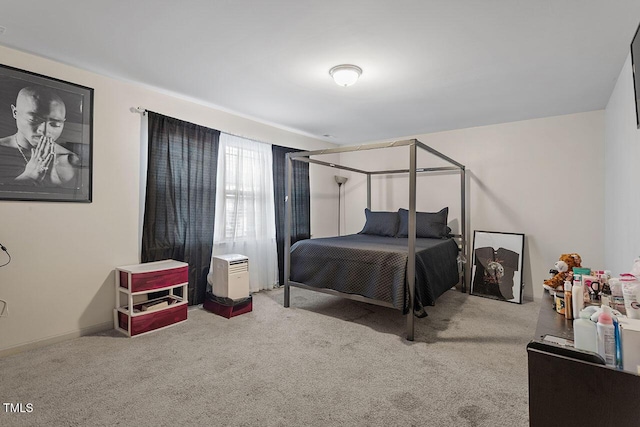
{"x":345,"y":74}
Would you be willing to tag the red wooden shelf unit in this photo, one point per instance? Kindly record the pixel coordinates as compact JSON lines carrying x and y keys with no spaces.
{"x":135,"y":313}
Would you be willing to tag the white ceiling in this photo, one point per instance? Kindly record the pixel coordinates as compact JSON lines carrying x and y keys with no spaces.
{"x":428,"y":65}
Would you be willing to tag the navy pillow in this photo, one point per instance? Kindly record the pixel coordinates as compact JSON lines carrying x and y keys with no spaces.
{"x":380,"y":223}
{"x":428,"y":224}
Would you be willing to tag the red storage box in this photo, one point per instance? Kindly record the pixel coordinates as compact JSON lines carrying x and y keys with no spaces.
{"x":150,"y":321}
{"x":153,"y":275}
{"x":228,"y":311}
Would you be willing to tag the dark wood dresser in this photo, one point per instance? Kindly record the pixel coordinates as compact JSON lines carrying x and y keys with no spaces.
{"x":568,"y":387}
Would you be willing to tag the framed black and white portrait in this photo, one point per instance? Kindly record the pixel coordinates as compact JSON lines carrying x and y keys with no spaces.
{"x":497,"y":265}
{"x":46,"y":138}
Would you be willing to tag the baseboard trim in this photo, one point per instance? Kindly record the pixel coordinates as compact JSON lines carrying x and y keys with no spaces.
{"x":56,"y":339}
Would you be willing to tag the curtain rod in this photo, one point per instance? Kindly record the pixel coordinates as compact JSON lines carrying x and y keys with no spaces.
{"x":144,"y":111}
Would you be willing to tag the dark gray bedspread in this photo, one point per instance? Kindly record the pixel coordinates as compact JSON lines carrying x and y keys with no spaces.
{"x":375,"y":267}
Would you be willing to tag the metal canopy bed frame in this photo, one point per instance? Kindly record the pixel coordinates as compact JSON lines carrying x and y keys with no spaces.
{"x":413,"y":170}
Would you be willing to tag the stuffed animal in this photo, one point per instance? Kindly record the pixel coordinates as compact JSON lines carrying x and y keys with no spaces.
{"x":564,"y":270}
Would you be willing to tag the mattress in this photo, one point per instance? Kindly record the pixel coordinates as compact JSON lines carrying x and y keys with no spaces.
{"x":376,"y":267}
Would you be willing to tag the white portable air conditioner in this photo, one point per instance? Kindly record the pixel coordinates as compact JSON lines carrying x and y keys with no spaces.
{"x":229,"y":276}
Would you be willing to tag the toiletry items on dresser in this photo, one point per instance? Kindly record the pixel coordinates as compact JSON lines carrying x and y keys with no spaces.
{"x":597,"y":330}
{"x":604,"y":314}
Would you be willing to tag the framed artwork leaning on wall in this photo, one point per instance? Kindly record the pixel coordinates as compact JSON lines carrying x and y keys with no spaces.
{"x":497,"y":265}
{"x":46,"y":138}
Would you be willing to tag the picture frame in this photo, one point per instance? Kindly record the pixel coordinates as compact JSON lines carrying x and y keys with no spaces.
{"x":46,"y":138}
{"x":497,"y":265}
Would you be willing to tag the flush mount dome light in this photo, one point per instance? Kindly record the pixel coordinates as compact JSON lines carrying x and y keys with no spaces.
{"x":345,"y":74}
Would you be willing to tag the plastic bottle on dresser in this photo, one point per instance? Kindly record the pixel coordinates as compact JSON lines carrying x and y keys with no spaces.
{"x":606,"y":338}
{"x":617,"y":298}
{"x":631,"y":293}
{"x":605,"y":291}
{"x":577,"y":298}
{"x":577,"y":280}
{"x":605,"y":295}
{"x":616,"y":329}
{"x":568,"y":305}
{"x":585,"y":336}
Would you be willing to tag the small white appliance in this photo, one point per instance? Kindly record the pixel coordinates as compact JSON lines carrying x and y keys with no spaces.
{"x":229,"y":276}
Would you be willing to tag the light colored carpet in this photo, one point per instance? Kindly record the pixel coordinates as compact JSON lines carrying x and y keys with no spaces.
{"x":325,"y":361}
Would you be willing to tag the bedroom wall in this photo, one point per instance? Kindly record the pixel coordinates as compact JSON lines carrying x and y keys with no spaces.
{"x":59,"y":283}
{"x":543,"y":178}
{"x":622,"y":177}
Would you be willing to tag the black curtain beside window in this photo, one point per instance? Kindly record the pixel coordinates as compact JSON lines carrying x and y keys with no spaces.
{"x":301,"y":201}
{"x":180,"y":199}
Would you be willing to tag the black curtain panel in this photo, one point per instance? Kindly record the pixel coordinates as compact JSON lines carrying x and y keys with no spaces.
{"x":301,"y":202}
{"x":180,"y":199}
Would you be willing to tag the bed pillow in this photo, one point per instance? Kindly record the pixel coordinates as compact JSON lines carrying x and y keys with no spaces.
{"x":380,"y":223}
{"x":428,"y":224}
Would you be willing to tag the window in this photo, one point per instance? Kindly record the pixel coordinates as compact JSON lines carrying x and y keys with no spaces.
{"x":242,"y":193}
{"x":245,"y":209}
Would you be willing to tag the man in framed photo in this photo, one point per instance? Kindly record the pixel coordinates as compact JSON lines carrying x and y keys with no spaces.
{"x":32,"y":156}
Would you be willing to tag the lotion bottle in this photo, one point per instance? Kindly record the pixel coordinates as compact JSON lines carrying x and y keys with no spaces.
{"x":568,"y":304}
{"x":606,"y":338}
{"x":577,"y":297}
{"x":584,"y":333}
{"x":616,"y":329}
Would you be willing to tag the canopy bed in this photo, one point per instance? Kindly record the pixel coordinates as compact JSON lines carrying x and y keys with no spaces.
{"x":404,"y":261}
